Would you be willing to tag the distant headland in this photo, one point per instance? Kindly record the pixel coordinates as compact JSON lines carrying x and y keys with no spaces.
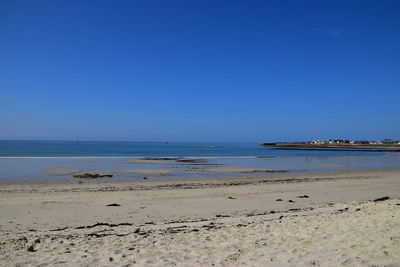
{"x":386,"y":145}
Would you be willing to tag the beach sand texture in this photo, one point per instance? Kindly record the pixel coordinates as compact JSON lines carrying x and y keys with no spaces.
{"x":309,"y":219}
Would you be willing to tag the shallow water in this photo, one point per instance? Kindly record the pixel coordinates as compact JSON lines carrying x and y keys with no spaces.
{"x":27,"y":160}
{"x":29,"y":169}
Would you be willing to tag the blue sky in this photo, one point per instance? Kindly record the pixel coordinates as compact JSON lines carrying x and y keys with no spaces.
{"x":199,"y":70}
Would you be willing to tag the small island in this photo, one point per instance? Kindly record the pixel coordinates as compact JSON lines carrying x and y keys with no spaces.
{"x":386,"y":145}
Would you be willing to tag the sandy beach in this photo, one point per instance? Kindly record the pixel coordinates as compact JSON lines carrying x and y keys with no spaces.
{"x":289,"y":219}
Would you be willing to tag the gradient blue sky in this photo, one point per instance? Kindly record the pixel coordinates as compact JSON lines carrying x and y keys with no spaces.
{"x":199,"y":70}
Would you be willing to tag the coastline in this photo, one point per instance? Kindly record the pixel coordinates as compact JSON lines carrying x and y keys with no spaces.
{"x":333,"y":146}
{"x":337,"y":149}
{"x":157,"y":221}
{"x":61,"y":170}
{"x":211,"y":178}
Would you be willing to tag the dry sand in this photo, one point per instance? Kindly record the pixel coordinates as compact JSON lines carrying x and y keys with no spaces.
{"x":323,"y":219}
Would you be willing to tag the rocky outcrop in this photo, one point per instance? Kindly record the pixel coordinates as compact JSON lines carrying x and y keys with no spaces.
{"x":92,"y":175}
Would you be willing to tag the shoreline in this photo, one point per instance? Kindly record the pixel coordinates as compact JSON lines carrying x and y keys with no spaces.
{"x":336,"y":149}
{"x":333,"y":147}
{"x":209,"y":178}
{"x":62,"y":170}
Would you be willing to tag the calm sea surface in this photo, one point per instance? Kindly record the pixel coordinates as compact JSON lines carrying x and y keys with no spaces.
{"x":28,"y":159}
{"x":153,"y":149}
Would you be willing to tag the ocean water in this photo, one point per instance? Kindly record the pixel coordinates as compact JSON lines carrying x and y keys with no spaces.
{"x":27,"y":160}
{"x":154,"y":149}
{"x":128,"y":149}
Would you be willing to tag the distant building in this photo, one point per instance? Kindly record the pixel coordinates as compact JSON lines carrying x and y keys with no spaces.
{"x":330,"y":141}
{"x":318,"y":142}
{"x":375,"y":142}
{"x":338,"y":141}
{"x":358,"y":142}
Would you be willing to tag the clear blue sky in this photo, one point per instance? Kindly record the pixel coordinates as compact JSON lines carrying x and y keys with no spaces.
{"x":199,"y":70}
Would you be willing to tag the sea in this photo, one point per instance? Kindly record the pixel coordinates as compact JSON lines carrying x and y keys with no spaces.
{"x":27,"y":160}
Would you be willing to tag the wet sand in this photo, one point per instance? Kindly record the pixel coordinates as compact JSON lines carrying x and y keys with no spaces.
{"x":288,"y":219}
